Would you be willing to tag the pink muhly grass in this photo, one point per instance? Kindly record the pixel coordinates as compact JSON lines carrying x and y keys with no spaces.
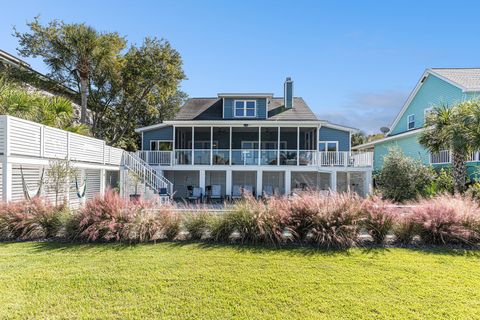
{"x":378,"y":217}
{"x":29,"y":220}
{"x":446,"y":219}
{"x":330,"y":221}
{"x":336,"y":223}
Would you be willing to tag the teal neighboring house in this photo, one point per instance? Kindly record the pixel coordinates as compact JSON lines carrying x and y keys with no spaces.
{"x":437,"y":86}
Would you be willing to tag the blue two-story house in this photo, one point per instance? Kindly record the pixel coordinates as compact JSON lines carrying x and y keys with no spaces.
{"x":255,"y":142}
{"x":436,"y":86}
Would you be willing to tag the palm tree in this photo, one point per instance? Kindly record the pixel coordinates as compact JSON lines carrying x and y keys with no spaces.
{"x":446,"y":128}
{"x":71,"y":51}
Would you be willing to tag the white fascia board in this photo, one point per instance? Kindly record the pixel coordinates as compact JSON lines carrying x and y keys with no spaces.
{"x":418,"y":86}
{"x":401,"y":135}
{"x":340,"y":127}
{"x":447,"y":80}
{"x":249,"y":122}
{"x":242,"y":123}
{"x":154,"y":126}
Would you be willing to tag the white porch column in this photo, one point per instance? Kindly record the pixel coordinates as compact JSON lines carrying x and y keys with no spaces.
{"x":6,"y":181}
{"x":201,"y":180}
{"x":288,"y":182}
{"x":258,"y":189}
{"x":368,"y":182}
{"x":228,"y":182}
{"x":333,"y":181}
{"x":102,"y":181}
{"x":348,"y":181}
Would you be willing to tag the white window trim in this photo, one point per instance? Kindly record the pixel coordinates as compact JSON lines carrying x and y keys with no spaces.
{"x":408,"y":122}
{"x":159,"y":141}
{"x":244,"y":108}
{"x":326,"y":143}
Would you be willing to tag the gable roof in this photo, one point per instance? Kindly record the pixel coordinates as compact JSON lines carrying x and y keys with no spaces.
{"x":468,"y":79}
{"x":212,"y":109}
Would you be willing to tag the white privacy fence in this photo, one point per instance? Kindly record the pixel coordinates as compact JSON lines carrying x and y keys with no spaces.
{"x":20,"y":137}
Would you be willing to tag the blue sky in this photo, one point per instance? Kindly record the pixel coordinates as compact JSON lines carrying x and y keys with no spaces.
{"x":354,"y":62}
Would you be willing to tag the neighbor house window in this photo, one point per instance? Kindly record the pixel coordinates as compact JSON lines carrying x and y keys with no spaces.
{"x":161,"y":145}
{"x":328,"y":146}
{"x":245,"y":108}
{"x":411,"y":122}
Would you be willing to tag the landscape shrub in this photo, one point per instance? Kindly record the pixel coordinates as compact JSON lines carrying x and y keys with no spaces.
{"x":303,"y":209}
{"x":402,"y":178}
{"x":404,"y":228}
{"x":30,"y":219}
{"x":336,"y":223}
{"x":474,"y":191}
{"x":197,"y":224}
{"x":446,"y":219}
{"x":111,"y":218}
{"x":378,"y":218}
{"x":329,"y":221}
{"x":254,"y":221}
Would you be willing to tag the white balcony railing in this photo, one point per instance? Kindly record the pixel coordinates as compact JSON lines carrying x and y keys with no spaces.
{"x":251,"y":157}
{"x":444,"y":157}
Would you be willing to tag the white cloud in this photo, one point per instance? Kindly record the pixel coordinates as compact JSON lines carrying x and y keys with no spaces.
{"x":368,"y":111}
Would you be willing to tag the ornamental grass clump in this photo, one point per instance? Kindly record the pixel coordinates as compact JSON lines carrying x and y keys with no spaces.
{"x":102,"y":218}
{"x":30,"y":220}
{"x":303,"y":210}
{"x":337,"y":220}
{"x":446,"y":219}
{"x":253,"y":221}
{"x":378,"y":218}
{"x":111,"y":218}
{"x":198,"y":224}
{"x":404,"y":228}
{"x":148,"y":224}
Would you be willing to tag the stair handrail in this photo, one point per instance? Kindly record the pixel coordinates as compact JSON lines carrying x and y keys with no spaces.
{"x":146,"y":172}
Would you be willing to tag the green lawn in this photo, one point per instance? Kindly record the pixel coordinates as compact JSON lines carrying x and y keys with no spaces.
{"x":195,"y":281}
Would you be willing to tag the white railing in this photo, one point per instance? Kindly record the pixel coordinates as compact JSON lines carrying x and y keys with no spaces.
{"x":444,"y":157}
{"x":24,"y":138}
{"x":160,"y":158}
{"x":254,"y":157}
{"x":345,"y":159}
{"x":145,"y":172}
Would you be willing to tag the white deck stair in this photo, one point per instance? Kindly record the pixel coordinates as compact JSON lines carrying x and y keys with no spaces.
{"x":152,"y":181}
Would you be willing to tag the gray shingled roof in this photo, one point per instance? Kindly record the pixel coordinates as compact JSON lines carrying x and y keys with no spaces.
{"x":211,"y":109}
{"x":468,"y":78}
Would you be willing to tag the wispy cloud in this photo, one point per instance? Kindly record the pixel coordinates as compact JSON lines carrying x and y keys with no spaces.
{"x":368,"y":111}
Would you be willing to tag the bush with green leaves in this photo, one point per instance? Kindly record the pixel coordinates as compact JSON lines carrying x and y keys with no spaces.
{"x":402,"y":178}
{"x":54,"y":111}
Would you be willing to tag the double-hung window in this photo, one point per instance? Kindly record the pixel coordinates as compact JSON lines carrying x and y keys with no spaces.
{"x":245,"y":108}
{"x":411,"y":122}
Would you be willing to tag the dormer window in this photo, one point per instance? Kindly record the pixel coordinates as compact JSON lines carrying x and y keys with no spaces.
{"x":245,"y":108}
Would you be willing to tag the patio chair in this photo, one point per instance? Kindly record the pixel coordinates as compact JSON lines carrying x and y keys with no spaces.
{"x":216,"y":192}
{"x":196,"y":195}
{"x":236,"y":191}
{"x":165,"y":197}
